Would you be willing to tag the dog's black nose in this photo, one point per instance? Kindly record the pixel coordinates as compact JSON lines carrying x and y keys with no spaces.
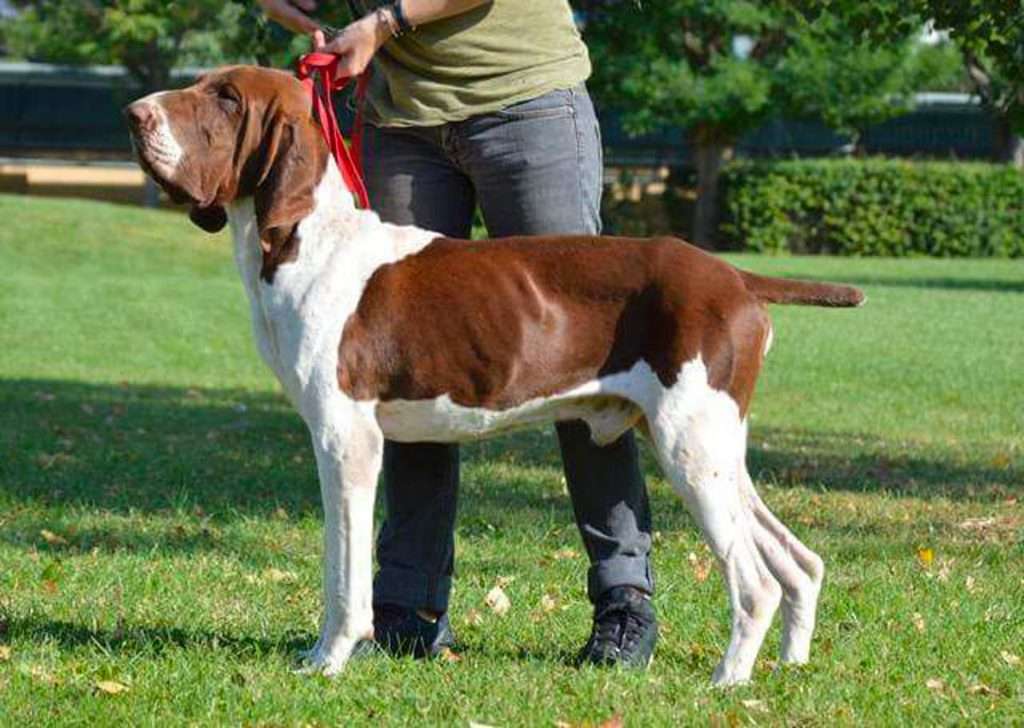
{"x":140,"y":116}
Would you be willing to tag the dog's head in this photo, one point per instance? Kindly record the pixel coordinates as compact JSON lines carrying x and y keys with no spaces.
{"x":237,"y":132}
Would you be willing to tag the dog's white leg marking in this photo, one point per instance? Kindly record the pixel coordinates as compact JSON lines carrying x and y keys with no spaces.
{"x":699,"y":437}
{"x":348,"y":455}
{"x":799,"y":570}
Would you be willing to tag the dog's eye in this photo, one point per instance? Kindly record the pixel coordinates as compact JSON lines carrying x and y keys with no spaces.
{"x":228,"y":98}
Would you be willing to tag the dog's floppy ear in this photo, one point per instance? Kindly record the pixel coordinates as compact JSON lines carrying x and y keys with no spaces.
{"x":292,"y":168}
{"x":212,"y":219}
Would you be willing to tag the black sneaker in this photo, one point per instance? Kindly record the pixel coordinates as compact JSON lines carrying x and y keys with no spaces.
{"x":401,"y":631}
{"x":625,"y":629}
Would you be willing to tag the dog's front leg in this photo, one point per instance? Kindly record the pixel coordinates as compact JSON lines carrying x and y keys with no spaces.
{"x":348,"y":455}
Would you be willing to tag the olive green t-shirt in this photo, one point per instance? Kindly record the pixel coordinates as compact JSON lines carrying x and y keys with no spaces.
{"x":475,"y":63}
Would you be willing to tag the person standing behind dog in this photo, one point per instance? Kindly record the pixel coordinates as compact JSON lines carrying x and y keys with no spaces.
{"x":483,"y":103}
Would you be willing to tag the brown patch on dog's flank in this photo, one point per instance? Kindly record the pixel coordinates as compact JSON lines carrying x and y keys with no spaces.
{"x":494,"y":324}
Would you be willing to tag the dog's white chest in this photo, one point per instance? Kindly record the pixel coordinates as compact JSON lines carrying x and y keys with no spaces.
{"x":298,"y":319}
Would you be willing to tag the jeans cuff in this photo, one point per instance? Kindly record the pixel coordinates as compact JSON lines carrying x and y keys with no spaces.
{"x":411,"y":589}
{"x":634,"y":571}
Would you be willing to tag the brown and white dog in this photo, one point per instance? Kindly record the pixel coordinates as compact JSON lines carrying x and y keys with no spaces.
{"x":379,"y":331}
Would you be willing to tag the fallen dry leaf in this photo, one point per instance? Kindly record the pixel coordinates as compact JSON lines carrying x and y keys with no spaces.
{"x":701,"y":567}
{"x":614,"y":722}
{"x":546,"y":606}
{"x":926,"y":556}
{"x":474,"y":724}
{"x":111,"y":687}
{"x":40,"y":674}
{"x":5,"y":653}
{"x":934,"y":683}
{"x":977,"y":524}
{"x":918,"y":621}
{"x":474,"y":618}
{"x":498,"y":601}
{"x":754,"y":705}
{"x":48,"y":460}
{"x":52,"y":538}
{"x":449,"y":655}
{"x":969,"y":583}
{"x":277,"y":575}
{"x":981,"y":689}
{"x":1010,"y":659}
{"x":1001,"y":460}
{"x":565,"y":554}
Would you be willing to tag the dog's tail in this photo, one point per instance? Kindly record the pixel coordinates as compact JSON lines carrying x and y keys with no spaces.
{"x":806,"y":293}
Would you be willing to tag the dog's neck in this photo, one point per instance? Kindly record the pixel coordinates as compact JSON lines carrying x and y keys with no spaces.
{"x":303,"y":309}
{"x":334,"y":226}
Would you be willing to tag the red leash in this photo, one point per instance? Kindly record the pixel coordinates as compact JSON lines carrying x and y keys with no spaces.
{"x":324,"y":65}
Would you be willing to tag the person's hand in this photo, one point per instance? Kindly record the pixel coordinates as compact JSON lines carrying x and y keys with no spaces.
{"x":292,"y":14}
{"x":355,"y":45}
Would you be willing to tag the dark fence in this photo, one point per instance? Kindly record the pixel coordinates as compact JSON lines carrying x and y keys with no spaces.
{"x":75,"y":112}
{"x":942,"y":126}
{"x":48,"y":110}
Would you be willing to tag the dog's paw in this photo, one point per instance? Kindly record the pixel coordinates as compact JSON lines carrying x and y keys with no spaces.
{"x":727,"y":676}
{"x":327,"y":662}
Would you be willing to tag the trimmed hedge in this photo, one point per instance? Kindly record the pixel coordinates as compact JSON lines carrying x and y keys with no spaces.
{"x":875,"y":207}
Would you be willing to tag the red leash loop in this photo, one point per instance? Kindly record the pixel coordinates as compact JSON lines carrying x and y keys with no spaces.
{"x":325,"y":65}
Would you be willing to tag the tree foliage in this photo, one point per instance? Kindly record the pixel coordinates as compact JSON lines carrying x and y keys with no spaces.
{"x":147,"y":37}
{"x":673,"y":62}
{"x":850,"y":82}
{"x":150,"y":37}
{"x":989,"y":34}
{"x":720,"y":67}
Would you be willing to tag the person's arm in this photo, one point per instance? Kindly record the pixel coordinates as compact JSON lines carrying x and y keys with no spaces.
{"x":358,"y":41}
{"x":292,"y":14}
{"x":356,"y":44}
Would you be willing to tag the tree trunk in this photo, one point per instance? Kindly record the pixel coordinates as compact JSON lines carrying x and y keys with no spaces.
{"x":710,"y":155}
{"x":1009,"y":144}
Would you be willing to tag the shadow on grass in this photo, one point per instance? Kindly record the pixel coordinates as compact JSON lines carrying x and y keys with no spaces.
{"x":863,"y":463}
{"x":224,"y":454}
{"x":152,"y":640}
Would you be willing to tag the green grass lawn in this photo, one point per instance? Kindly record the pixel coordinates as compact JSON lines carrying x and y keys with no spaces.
{"x":160,"y":518}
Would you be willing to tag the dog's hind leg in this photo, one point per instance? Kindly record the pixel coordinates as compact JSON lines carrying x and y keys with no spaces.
{"x":349,"y":447}
{"x":799,"y":570}
{"x":700,"y":437}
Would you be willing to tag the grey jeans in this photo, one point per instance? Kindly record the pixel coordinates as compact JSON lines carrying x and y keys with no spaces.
{"x":533,"y":168}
